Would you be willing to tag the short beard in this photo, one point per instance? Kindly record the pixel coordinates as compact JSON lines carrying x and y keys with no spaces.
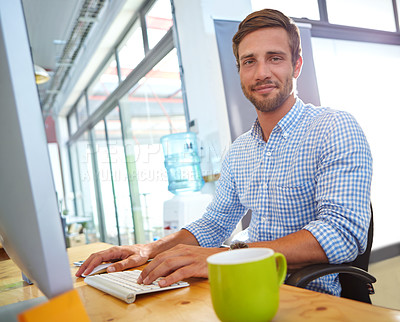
{"x":270,"y":104}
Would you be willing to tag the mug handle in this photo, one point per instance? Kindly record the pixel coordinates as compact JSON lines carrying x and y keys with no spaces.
{"x":281,"y":267}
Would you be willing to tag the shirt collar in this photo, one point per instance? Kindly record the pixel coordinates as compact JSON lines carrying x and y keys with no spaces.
{"x":256,"y":131}
{"x":285,"y":125}
{"x":289,"y":121}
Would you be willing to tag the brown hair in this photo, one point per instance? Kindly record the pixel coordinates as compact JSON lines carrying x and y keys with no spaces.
{"x":268,"y":18}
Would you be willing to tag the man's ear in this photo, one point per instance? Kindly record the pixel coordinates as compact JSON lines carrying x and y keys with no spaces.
{"x":297,"y":67}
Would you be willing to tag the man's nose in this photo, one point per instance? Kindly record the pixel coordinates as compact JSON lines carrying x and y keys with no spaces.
{"x":263,"y":71}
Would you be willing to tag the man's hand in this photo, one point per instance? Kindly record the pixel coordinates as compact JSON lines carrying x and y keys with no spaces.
{"x":127,"y":257}
{"x":178,"y":263}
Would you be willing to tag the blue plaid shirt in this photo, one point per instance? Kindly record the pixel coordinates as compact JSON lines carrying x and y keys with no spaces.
{"x":314,"y":173}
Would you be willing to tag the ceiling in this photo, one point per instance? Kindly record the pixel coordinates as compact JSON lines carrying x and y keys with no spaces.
{"x":49,"y":24}
{"x":58,"y":31}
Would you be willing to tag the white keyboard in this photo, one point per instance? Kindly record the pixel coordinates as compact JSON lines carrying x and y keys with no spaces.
{"x":123,"y":285}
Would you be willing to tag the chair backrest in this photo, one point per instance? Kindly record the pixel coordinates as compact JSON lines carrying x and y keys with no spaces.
{"x":353,"y":288}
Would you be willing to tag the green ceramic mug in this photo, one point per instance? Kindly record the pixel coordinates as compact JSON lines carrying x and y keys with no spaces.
{"x":245,"y":283}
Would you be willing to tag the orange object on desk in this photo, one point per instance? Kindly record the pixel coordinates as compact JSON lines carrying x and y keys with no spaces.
{"x":63,"y":308}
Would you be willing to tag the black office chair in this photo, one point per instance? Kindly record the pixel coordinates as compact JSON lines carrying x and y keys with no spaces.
{"x":354,"y":278}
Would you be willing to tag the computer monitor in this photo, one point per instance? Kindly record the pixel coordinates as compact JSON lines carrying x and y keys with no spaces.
{"x":30,"y":224}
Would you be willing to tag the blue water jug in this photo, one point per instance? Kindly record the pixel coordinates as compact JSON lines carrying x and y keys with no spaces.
{"x":182,"y":162}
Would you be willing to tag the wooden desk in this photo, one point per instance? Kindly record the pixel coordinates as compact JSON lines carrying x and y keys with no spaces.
{"x":189,"y":304}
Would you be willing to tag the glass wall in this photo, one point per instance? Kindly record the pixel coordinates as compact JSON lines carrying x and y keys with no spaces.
{"x":103,"y":86}
{"x":117,"y":164}
{"x":131,"y":52}
{"x":370,"y":14}
{"x":293,"y":8}
{"x":105,"y":178}
{"x":375,"y":14}
{"x":158,"y":21}
{"x":81,"y":110}
{"x":72,"y":122}
{"x":151,"y":109}
{"x":81,"y":165}
{"x":154,"y":104}
{"x":119,"y":176}
{"x":81,"y":202}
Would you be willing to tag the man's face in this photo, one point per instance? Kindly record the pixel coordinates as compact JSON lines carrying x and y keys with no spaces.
{"x":266,"y":70}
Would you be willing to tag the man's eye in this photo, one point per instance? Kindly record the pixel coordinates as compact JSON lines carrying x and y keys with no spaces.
{"x":248,"y":62}
{"x":276,"y":59}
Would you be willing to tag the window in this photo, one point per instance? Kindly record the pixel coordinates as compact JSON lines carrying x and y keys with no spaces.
{"x":82,"y":202}
{"x":119,"y":177}
{"x":105,"y":180}
{"x":158,"y":21}
{"x":127,"y":182}
{"x":72,"y":123}
{"x":103,"y":86}
{"x":132,"y":51}
{"x":372,"y":14}
{"x":151,"y":109}
{"x":84,"y":177}
{"x":293,"y":8}
{"x":81,"y":110}
{"x":398,"y":13}
{"x":155,"y":104}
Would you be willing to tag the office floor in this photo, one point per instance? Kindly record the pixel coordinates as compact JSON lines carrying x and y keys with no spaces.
{"x":387,"y":286}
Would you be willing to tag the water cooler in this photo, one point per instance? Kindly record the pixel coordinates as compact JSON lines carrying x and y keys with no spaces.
{"x":184,"y":181}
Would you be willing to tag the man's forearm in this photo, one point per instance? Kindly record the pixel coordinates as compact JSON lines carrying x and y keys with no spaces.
{"x":300,"y":249}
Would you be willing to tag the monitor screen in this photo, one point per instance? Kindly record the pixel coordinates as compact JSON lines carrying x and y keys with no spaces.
{"x":30,"y":224}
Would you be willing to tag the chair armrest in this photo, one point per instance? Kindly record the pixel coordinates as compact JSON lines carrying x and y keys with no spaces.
{"x":305,"y":275}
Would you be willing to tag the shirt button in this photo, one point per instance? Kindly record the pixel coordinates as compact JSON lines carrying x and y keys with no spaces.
{"x":268,"y":154}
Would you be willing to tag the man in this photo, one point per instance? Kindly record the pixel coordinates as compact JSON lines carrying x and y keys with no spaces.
{"x":305,"y":173}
